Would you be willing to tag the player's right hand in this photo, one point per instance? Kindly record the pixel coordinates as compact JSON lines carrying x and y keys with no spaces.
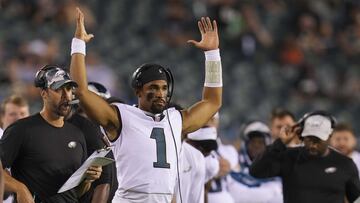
{"x":80,"y":31}
{"x":23,"y":195}
{"x":287,"y":133}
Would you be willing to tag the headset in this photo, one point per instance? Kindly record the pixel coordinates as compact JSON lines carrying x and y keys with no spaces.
{"x":40,"y":77}
{"x":137,"y":83}
{"x":301,"y":122}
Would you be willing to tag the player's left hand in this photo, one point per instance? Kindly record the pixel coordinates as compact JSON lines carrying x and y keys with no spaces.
{"x":209,"y":35}
{"x":93,"y":173}
{"x":80,"y":31}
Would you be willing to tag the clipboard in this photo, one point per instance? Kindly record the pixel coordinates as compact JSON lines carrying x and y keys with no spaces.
{"x":97,"y":158}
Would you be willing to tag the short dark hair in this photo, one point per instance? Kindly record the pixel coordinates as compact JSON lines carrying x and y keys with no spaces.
{"x":13,"y":99}
{"x":281,"y":113}
{"x":343,"y":127}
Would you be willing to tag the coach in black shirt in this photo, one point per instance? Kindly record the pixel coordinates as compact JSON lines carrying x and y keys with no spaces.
{"x":43,"y":150}
{"x":313,"y":173}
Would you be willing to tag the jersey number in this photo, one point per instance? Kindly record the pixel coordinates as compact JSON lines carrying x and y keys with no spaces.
{"x":159,"y":136}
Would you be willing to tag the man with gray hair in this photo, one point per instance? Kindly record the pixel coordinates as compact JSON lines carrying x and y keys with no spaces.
{"x":313,"y":172}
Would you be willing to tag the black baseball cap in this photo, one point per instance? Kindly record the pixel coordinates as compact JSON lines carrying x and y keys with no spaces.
{"x":57,"y":78}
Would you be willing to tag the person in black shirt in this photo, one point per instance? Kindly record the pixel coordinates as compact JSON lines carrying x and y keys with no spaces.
{"x":44,"y":150}
{"x":313,"y":172}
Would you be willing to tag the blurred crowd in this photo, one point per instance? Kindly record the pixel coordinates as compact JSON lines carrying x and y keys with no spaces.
{"x":299,"y":54}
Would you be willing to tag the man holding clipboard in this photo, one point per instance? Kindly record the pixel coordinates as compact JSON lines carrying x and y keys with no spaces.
{"x":44,"y":150}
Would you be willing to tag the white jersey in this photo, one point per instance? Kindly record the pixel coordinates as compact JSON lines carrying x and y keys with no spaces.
{"x":146,"y":159}
{"x":219,"y":188}
{"x":229,"y":153}
{"x":192,"y":175}
{"x":220,"y":197}
{"x":10,"y":199}
{"x":355,"y":156}
{"x":266,"y":192}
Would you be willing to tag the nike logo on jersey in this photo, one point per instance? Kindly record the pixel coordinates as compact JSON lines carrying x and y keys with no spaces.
{"x":330,"y":170}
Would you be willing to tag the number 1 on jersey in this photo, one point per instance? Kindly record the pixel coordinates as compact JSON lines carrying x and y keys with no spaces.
{"x":159,"y":136}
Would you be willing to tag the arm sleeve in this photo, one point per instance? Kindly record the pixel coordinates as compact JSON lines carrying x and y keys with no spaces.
{"x":269,"y":163}
{"x":10,"y":144}
{"x":352,"y":187}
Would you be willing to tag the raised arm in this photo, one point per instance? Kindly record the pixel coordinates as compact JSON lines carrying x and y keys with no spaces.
{"x":94,"y":106}
{"x":197,"y":115}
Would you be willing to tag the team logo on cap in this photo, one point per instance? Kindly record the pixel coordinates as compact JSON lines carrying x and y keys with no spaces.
{"x":316,"y":123}
{"x":58,"y":76}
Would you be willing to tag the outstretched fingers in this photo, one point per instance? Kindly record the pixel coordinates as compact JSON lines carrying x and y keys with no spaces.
{"x":205,"y":25}
{"x":215,"y":26}
{"x":208,"y":23}
{"x":78,"y":22}
{"x":201,"y":27}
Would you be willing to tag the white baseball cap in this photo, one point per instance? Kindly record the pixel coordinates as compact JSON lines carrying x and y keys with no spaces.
{"x":207,"y":133}
{"x":318,"y":126}
{"x":256,"y":126}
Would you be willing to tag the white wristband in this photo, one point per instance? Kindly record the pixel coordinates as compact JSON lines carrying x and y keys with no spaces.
{"x":213,"y":69}
{"x":212,"y":55}
{"x":78,"y":46}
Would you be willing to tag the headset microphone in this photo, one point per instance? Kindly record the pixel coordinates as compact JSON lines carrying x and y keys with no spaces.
{"x":73,"y":102}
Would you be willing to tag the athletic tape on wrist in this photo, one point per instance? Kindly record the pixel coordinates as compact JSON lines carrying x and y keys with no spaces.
{"x":78,"y":46}
{"x":213,"y":69}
